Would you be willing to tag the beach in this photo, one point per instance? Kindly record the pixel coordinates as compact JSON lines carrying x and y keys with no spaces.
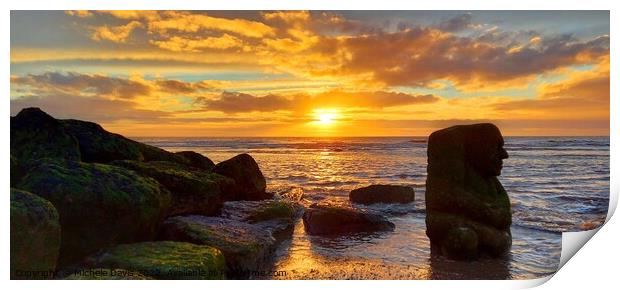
{"x":540,"y":177}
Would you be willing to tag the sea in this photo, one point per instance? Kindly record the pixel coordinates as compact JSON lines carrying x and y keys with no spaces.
{"x":555,"y":184}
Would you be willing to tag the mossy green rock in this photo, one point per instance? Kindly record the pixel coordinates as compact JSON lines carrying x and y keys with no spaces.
{"x":193,"y":191}
{"x":98,"y":145}
{"x":196,"y":160}
{"x":164,"y":260}
{"x":463,"y":191}
{"x":35,"y":134}
{"x":250,"y":183}
{"x":35,"y":236}
{"x":106,"y":274}
{"x":277,"y":216}
{"x":99,"y":205}
{"x":247,"y":247}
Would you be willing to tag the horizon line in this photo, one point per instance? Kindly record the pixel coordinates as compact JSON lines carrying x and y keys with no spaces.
{"x":381,"y":136}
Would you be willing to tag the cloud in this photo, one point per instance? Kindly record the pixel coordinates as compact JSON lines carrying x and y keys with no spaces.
{"x":95,"y":85}
{"x":584,"y":94}
{"x":458,"y":23}
{"x":287,"y":16}
{"x":177,"y":43}
{"x":230,"y":102}
{"x":81,"y":84}
{"x":97,"y":109}
{"x":197,"y":22}
{"x":416,"y":57}
{"x":117,"y":34}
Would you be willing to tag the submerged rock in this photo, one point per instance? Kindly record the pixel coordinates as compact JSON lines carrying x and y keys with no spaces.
{"x":463,"y":194}
{"x":35,"y":236}
{"x":334,"y":220}
{"x":163,"y":260}
{"x":192,"y":191}
{"x":99,"y":205}
{"x":250,"y":183}
{"x":106,"y":274}
{"x":276,"y":216}
{"x":35,"y":135}
{"x":247,"y":232}
{"x":382,"y":193}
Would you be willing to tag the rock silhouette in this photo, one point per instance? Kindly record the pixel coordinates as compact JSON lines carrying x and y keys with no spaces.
{"x":467,"y":209}
{"x":80,"y":191}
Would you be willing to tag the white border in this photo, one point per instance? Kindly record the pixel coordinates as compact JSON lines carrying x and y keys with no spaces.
{"x":594,"y":265}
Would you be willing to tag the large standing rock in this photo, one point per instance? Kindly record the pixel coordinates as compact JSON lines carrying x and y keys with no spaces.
{"x":334,"y":220}
{"x":192,"y":191}
{"x":35,"y":134}
{"x":99,"y":205}
{"x":163,"y":260}
{"x":250,"y":182}
{"x":467,"y":209}
{"x":35,"y":236}
{"x":382,"y":193}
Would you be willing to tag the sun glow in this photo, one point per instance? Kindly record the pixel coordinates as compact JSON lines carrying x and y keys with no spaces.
{"x":325,"y":116}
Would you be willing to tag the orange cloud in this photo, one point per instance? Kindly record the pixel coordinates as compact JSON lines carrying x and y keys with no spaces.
{"x":229,"y":102}
{"x":584,"y":94}
{"x":114,"y":33}
{"x":177,"y":43}
{"x":193,"y":23}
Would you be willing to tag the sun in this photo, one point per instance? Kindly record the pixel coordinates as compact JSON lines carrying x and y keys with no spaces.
{"x":325,"y":116}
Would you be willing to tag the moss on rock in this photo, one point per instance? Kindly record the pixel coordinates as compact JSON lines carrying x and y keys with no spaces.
{"x":164,"y":260}
{"x":35,"y":236}
{"x":272,"y":210}
{"x":193,"y":191}
{"x":35,"y":134}
{"x":99,"y":205}
{"x":247,"y":247}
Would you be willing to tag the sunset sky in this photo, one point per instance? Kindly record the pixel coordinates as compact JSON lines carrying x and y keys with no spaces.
{"x":317,"y":73}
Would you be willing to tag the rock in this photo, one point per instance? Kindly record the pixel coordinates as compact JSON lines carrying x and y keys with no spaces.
{"x":17,"y":172}
{"x":197,"y":160}
{"x":35,"y":236}
{"x":277,"y":216}
{"x":106,"y":274}
{"x":163,"y":260}
{"x":192,"y":192}
{"x":98,"y":145}
{"x":250,"y":182}
{"x":295,"y":194}
{"x":99,"y":205}
{"x":462,"y":191}
{"x":382,"y":193}
{"x":35,"y":135}
{"x":246,"y":247}
{"x":333,"y":220}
